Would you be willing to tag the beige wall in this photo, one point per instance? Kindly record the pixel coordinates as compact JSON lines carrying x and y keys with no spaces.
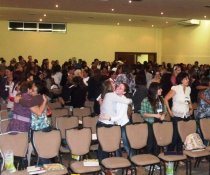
{"x":186,"y":43}
{"x":81,"y":41}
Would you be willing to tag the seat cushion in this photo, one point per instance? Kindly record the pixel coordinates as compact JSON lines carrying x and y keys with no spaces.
{"x":115,"y":162}
{"x":196,"y":154}
{"x":145,"y":159}
{"x":208,"y":148}
{"x":172,"y":158}
{"x":23,"y":172}
{"x":79,"y":168}
{"x":56,"y":172}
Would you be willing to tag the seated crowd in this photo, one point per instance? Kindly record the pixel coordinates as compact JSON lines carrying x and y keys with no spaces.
{"x":179,"y":93}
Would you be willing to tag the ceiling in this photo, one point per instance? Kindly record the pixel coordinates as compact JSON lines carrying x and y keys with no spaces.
{"x":140,"y":12}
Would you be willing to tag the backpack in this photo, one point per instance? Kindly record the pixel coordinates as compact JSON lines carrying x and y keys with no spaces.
{"x":193,"y":142}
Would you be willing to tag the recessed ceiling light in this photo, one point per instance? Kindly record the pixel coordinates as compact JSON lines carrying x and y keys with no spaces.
{"x":205,"y":17}
{"x":152,"y":25}
{"x":129,"y":20}
{"x":166,"y":22}
{"x":40,"y":19}
{"x":112,"y":10}
{"x":161,"y":13}
{"x":44,"y":15}
{"x":118,"y":23}
{"x":56,"y":5}
{"x":130,"y":1}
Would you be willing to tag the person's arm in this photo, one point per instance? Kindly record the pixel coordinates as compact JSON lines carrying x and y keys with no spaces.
{"x":144,"y":110}
{"x":170,"y":95}
{"x":121,"y":99}
{"x":38,"y":110}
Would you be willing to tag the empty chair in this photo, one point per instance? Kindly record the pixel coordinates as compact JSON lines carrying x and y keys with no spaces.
{"x":90,"y":122}
{"x":4,"y":125}
{"x":89,"y":104}
{"x":163,"y":134}
{"x":64,"y":123}
{"x":54,"y":105}
{"x":18,"y":143}
{"x":136,"y":118}
{"x":81,"y":112}
{"x":47,"y":146}
{"x":79,"y":143}
{"x":186,"y":128}
{"x":137,"y":143}
{"x":109,"y":140}
{"x":4,"y":114}
{"x":205,"y":128}
{"x":58,"y":113}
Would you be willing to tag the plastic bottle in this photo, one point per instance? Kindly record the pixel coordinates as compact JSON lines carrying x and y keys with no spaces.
{"x":169,"y":168}
{"x":9,"y":161}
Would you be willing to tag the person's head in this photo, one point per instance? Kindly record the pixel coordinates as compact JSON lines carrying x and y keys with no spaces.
{"x":205,"y":81}
{"x":39,"y":87}
{"x":106,"y":87}
{"x":78,"y":81}
{"x":122,"y":89}
{"x":30,"y":58}
{"x":9,"y":71}
{"x":113,"y":75}
{"x":30,"y":77}
{"x":25,"y":87}
{"x":156,"y":75}
{"x":140,"y":78}
{"x":176,"y":70}
{"x":154,"y":90}
{"x":182,"y":78}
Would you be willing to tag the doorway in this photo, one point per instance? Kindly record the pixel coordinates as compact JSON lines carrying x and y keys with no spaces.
{"x":136,"y":57}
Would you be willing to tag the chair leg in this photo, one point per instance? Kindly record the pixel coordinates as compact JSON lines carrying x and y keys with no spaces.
{"x":176,"y":165}
{"x":164,"y":168}
{"x":153,"y":168}
{"x":186,"y":162}
{"x":208,"y":158}
{"x":190,"y":166}
{"x":160,"y":169}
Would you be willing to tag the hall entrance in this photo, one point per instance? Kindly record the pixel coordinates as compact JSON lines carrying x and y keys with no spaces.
{"x":135,"y":57}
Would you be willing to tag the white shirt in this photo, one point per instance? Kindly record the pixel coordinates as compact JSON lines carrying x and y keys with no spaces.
{"x":181,"y":101}
{"x":57,"y":78}
{"x":12,"y":93}
{"x":122,"y":113}
{"x":109,"y":106}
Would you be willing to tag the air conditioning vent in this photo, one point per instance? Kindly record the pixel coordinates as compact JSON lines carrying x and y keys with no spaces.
{"x":190,"y":22}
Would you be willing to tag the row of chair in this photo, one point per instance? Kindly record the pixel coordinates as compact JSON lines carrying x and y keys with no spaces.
{"x":79,"y":142}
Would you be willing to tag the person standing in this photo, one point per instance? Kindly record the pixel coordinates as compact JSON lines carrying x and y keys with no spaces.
{"x":181,"y":108}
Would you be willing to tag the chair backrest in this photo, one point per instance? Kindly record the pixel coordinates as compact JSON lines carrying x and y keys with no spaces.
{"x":4,"y":125}
{"x":136,"y":118}
{"x":4,"y":114}
{"x":81,"y":112}
{"x":185,"y":128}
{"x":54,"y":105}
{"x":205,"y":128}
{"x":17,"y":142}
{"x":137,"y":135}
{"x":90,"y":122}
{"x":79,"y":140}
{"x":63,"y":123}
{"x":47,"y":144}
{"x":58,"y":113}
{"x":89,"y":104}
{"x":109,"y":138}
{"x":163,"y":133}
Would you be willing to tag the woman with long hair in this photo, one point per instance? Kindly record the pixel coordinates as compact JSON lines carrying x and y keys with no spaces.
{"x":153,"y":110}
